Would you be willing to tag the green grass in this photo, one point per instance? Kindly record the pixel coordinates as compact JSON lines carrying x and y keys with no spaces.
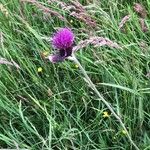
{"x":72,"y":117}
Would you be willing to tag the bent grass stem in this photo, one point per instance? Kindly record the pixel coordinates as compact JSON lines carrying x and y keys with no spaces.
{"x":103,"y":100}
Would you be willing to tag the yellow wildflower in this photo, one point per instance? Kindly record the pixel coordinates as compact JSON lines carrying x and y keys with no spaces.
{"x":45,"y":53}
{"x":124,"y":132}
{"x":76,"y":66}
{"x":40,"y":69}
{"x":106,"y":114}
{"x":71,"y":21}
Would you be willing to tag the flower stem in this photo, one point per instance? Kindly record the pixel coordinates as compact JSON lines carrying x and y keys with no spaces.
{"x":103,"y":100}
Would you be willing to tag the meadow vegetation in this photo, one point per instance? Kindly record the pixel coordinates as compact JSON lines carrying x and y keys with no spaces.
{"x":46,"y":106}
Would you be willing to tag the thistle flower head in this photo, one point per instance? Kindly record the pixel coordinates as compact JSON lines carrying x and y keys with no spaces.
{"x":63,"y":41}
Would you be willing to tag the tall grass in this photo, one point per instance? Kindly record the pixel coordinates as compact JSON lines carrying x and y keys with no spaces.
{"x":56,"y":109}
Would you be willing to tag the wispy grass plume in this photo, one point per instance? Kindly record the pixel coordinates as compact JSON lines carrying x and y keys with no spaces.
{"x":45,"y":9}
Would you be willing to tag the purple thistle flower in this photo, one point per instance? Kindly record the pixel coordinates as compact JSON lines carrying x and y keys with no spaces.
{"x":63,"y":41}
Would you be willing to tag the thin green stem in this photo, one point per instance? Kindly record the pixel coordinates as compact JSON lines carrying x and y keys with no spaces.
{"x":103,"y":100}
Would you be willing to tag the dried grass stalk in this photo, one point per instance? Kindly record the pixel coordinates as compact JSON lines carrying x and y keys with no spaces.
{"x":80,"y":13}
{"x":123,"y":21}
{"x":96,"y":42}
{"x":62,"y":5}
{"x":140,"y":10}
{"x":76,"y":10}
{"x":45,"y":9}
{"x":143,"y":25}
{"x":11,"y":63}
{"x":78,"y":6}
{"x":84,"y":18}
{"x":1,"y":39}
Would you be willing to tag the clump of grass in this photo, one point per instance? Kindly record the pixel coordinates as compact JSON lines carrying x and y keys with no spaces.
{"x":55,"y":109}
